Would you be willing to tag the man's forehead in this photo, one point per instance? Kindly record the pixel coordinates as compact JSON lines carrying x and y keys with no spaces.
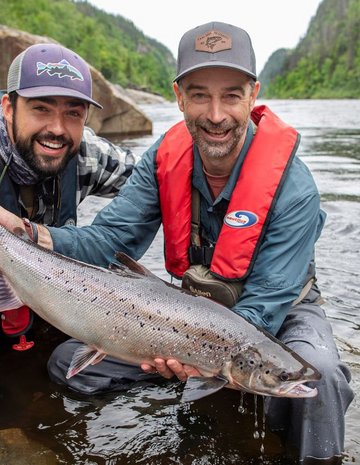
{"x":215,"y":76}
{"x":58,"y":100}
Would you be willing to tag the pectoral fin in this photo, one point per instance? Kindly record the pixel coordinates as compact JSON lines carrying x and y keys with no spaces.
{"x":197,"y":387}
{"x":83,"y":357}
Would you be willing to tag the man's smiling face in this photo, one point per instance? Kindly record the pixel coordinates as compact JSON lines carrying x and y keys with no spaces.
{"x":46,"y":131}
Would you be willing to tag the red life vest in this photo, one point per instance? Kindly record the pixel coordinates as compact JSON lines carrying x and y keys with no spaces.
{"x":251,"y":204}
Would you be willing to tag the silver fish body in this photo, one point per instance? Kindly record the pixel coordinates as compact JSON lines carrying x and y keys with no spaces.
{"x":134,"y":316}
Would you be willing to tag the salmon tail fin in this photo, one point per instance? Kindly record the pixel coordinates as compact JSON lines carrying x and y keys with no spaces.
{"x":83,"y":357}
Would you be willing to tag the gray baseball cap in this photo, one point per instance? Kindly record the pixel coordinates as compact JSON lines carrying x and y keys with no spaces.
{"x":44,"y":70}
{"x":216,"y":44}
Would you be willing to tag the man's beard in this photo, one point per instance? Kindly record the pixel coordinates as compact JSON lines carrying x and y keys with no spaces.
{"x":216,"y":149}
{"x":43,"y":166}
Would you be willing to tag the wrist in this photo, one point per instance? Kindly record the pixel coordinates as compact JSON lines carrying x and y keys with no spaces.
{"x":44,"y":237}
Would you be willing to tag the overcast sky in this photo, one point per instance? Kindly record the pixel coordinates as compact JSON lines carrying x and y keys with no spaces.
{"x":272,"y":24}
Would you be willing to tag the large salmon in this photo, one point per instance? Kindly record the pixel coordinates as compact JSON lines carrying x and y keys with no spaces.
{"x":129,"y":313}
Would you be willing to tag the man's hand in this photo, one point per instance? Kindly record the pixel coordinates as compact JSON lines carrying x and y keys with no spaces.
{"x":15,"y":224}
{"x":170,"y":368}
{"x":10,"y":221}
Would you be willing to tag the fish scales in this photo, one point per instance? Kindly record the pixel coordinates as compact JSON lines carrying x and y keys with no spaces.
{"x":132,"y":316}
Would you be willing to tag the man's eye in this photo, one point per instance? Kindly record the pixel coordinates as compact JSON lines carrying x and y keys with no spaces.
{"x":74,"y":113}
{"x":40,"y":109}
{"x":233,"y":98}
{"x":199,"y":97}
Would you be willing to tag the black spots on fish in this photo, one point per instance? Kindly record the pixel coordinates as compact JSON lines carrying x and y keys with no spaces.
{"x":133,"y":306}
{"x":175,"y":330}
{"x":108,"y":313}
{"x":93,"y":299}
{"x":123,"y":299}
{"x":154,"y":328}
{"x":85,"y":289}
{"x":142,"y":324}
{"x":70,"y":290}
{"x":111,"y":291}
{"x":47,"y":278}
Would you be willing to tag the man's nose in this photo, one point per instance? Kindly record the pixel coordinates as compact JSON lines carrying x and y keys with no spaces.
{"x":215,"y":111}
{"x":56,"y":125}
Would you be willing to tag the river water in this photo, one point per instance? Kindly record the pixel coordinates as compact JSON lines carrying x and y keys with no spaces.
{"x":41,"y":423}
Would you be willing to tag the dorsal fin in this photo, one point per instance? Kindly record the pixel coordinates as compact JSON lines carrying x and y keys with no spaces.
{"x":132,"y":265}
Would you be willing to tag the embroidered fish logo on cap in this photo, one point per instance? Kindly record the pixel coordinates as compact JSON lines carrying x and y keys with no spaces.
{"x":213,"y":41}
{"x":62,"y":69}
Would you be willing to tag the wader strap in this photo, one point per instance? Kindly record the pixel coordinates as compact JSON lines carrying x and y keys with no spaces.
{"x":305,"y":290}
{"x":195,"y":217}
{"x":198,"y":254}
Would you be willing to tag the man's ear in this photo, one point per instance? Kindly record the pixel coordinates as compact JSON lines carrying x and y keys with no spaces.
{"x":179,"y":97}
{"x":7,"y":108}
{"x":255,"y":93}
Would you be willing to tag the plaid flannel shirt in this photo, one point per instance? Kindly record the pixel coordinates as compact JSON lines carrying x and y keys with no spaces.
{"x":102,"y":167}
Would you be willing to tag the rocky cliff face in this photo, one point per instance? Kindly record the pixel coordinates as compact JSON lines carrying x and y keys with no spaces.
{"x":120,"y":115}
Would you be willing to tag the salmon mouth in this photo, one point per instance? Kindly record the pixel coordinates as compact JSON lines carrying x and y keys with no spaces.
{"x":294,"y":389}
{"x":297,"y":390}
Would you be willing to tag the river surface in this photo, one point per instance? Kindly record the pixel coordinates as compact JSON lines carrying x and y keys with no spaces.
{"x":41,"y":423}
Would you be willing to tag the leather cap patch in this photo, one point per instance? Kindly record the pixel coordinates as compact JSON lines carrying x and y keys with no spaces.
{"x":213,"y":41}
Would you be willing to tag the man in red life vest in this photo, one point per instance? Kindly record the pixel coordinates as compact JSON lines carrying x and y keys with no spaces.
{"x":231,"y":170}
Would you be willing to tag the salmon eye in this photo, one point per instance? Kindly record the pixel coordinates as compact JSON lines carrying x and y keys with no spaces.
{"x":284,"y":376}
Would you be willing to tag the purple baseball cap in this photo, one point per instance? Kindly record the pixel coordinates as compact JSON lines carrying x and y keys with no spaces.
{"x":216,"y":44}
{"x":44,"y":70}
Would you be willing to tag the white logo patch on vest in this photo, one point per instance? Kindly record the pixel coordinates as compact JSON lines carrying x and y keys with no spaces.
{"x":241,"y":219}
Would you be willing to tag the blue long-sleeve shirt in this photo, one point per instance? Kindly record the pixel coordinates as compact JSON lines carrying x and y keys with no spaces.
{"x":130,"y":222}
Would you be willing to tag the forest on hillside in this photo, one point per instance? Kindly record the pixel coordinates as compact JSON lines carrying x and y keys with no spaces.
{"x":110,"y":43}
{"x":325,"y":63}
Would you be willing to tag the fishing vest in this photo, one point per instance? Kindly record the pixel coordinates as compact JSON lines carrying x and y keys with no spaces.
{"x":17,"y":322}
{"x":261,"y":177}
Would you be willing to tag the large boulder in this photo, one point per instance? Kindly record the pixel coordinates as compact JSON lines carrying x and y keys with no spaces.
{"x":120,"y":115}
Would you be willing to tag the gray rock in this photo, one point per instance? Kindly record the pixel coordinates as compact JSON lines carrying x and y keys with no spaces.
{"x":120,"y":115}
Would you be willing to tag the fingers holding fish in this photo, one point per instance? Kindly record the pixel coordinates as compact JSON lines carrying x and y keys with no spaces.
{"x":170,"y":368}
{"x":180,"y":370}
